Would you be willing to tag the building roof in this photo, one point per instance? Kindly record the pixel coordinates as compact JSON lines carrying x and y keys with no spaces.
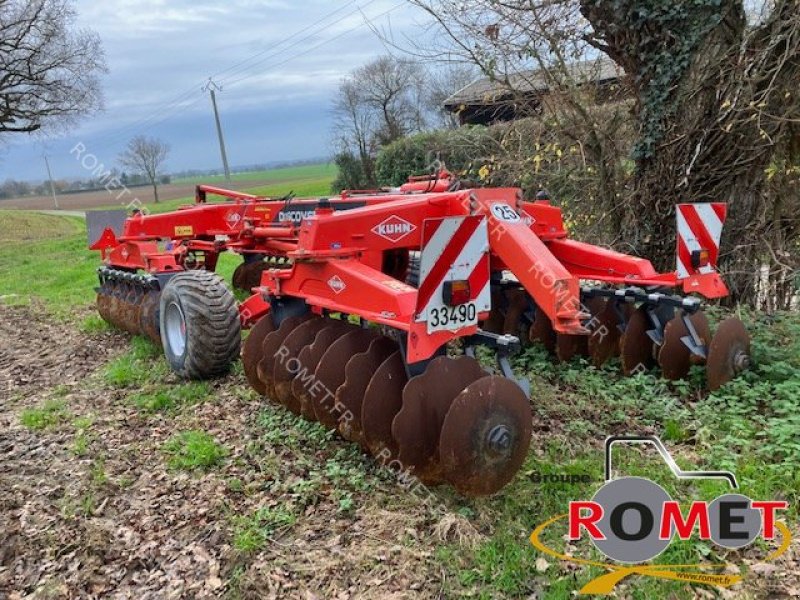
{"x":534,"y":81}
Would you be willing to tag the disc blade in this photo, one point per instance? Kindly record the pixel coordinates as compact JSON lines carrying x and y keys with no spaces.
{"x":603,"y":343}
{"x":514,"y":321}
{"x":288,"y":366}
{"x":703,"y":329}
{"x":494,"y":324}
{"x":542,"y":331}
{"x":272,"y":348}
{"x":237,"y":278}
{"x":570,"y":346}
{"x":149,"y":316}
{"x":251,"y":352}
{"x":728,"y":353}
{"x":426,"y":400}
{"x":103,"y":305}
{"x":331,"y":373}
{"x":383,"y":399}
{"x":485,"y":436}
{"x":636,"y":347}
{"x":309,"y":357}
{"x":674,"y":356}
{"x":350,"y":395}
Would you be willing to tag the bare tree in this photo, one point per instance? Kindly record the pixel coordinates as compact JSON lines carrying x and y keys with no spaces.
{"x":441,"y":83}
{"x":49,"y":71}
{"x":145,"y":155}
{"x":377,"y":104}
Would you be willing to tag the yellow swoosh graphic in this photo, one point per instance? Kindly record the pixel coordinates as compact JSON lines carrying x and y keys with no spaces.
{"x":604,"y":584}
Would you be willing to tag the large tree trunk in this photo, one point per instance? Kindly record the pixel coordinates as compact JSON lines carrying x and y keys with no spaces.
{"x":713,"y":132}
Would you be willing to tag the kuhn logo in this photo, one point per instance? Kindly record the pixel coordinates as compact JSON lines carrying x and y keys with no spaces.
{"x":394,"y":229}
{"x":632,"y":520}
{"x":336,"y":284}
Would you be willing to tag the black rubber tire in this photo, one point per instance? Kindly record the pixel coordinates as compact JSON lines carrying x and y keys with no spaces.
{"x":212,"y":337}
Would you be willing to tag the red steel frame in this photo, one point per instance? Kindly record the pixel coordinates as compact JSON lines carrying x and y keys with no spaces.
{"x":330,"y":243}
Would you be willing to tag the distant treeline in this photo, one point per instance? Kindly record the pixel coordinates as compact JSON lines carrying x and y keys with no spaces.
{"x":11,"y":188}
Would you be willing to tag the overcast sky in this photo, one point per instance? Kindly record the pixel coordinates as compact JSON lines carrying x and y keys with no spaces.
{"x":275,"y":106}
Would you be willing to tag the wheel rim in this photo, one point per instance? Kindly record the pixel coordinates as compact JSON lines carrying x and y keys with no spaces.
{"x":175,"y":324}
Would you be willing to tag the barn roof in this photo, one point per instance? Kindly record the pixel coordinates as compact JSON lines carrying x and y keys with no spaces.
{"x":485,"y":91}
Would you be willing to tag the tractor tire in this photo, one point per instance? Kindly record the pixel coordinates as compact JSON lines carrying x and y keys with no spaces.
{"x":199,"y":323}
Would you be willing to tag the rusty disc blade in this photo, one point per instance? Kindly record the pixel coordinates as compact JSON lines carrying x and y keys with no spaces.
{"x":513,"y":323}
{"x":350,"y":395}
{"x":542,"y":331}
{"x":331,"y":372}
{"x":485,"y":436}
{"x":636,"y":346}
{"x":149,"y":316}
{"x":112,"y":308}
{"x":603,"y":343}
{"x":272,"y":350}
{"x":728,"y":353}
{"x":236,"y":279}
{"x":383,"y":399}
{"x":570,"y":346}
{"x":251,"y":352}
{"x":103,"y":305}
{"x":289,"y":366}
{"x":309,"y":357}
{"x":674,"y":356}
{"x":703,"y":329}
{"x":494,"y":324}
{"x":129,"y":312}
{"x":426,"y":400}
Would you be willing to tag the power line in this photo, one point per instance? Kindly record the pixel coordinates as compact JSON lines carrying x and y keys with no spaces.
{"x":297,"y":42}
{"x":276,"y":44}
{"x":178,"y":103}
{"x":312,"y":48}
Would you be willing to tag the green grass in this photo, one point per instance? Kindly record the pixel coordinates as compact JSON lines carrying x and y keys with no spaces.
{"x":305,"y":182}
{"x":60,"y":271}
{"x":280,"y":175}
{"x":250,"y":533}
{"x":142,"y":364}
{"x":162,"y":398}
{"x":193,"y":450}
{"x":48,"y":415}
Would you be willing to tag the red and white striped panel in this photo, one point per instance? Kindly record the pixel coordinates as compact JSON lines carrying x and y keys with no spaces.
{"x":699,"y":228}
{"x":454,"y":248}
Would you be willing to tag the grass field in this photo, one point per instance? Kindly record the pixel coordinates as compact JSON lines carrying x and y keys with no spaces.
{"x":480,"y":549}
{"x":304,"y":182}
{"x":271,"y":176}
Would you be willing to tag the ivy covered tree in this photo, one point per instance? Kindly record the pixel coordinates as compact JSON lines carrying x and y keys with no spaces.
{"x":715,"y":113}
{"x":717,"y":101}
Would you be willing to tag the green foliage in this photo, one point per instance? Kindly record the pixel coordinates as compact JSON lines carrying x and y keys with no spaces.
{"x":193,"y":450}
{"x":351,"y":174}
{"x":50,"y":414}
{"x":461,"y":150}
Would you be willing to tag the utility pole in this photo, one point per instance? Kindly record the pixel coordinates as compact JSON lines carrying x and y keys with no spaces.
{"x":52,"y":185}
{"x":213,"y":88}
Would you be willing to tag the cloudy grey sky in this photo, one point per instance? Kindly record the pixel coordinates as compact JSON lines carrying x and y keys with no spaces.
{"x":279,"y":62}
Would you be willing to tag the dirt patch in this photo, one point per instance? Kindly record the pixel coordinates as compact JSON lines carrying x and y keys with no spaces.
{"x":113,"y":521}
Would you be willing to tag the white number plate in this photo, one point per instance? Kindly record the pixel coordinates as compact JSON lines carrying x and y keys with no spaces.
{"x":452,"y":318}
